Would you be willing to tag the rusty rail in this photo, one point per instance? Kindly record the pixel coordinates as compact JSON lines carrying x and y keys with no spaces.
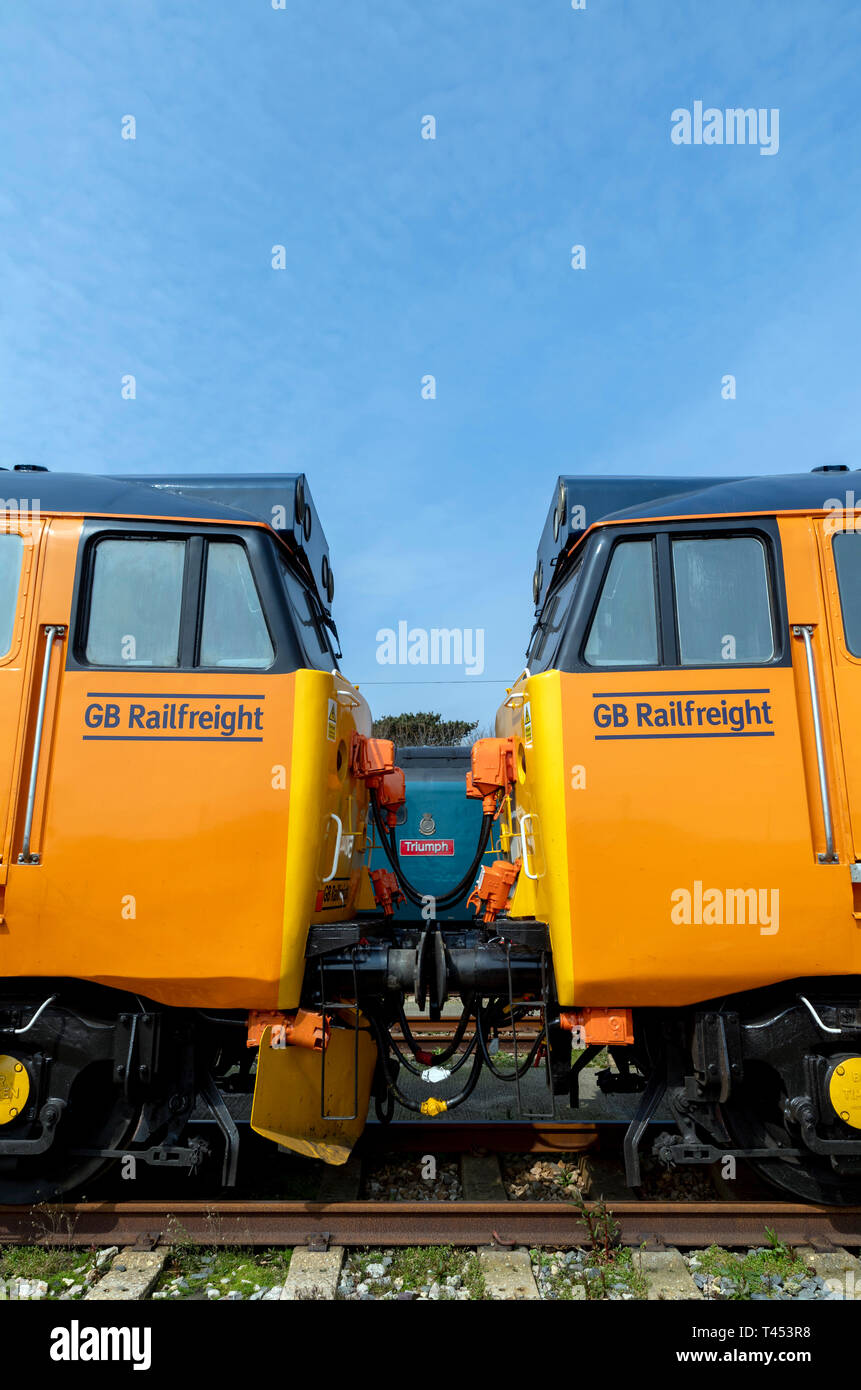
{"x":423,"y":1223}
{"x":500,"y":1136}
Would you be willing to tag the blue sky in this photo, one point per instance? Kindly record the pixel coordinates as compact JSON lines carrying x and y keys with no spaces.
{"x":407,"y":257}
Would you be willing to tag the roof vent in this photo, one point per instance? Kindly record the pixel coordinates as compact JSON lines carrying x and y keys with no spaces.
{"x":30,"y":468}
{"x":831,"y":468}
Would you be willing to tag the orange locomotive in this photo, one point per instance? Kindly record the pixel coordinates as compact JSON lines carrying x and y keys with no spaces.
{"x":179,"y":804}
{"x":687,"y":793}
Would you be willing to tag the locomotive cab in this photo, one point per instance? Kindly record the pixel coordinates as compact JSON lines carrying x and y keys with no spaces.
{"x":179,"y":806}
{"x":687,"y":808}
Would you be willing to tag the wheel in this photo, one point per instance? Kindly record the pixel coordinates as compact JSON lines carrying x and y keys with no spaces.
{"x":754,"y":1117}
{"x":58,"y":1059}
{"x":97,"y":1116}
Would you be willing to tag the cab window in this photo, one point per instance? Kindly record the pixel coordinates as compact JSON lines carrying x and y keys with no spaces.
{"x":624,"y":630}
{"x":847,"y":558}
{"x":234,"y":631}
{"x":551,"y":624}
{"x":11,"y":558}
{"x":723,"y":601}
{"x":312,"y":633}
{"x":136,"y":603}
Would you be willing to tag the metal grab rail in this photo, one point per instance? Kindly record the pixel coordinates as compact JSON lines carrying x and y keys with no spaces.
{"x":52,"y":632}
{"x":526,"y":816}
{"x":805,"y":632}
{"x":338,"y":841}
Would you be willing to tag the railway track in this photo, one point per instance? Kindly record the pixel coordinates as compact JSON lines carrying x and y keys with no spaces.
{"x":504,"y":1223}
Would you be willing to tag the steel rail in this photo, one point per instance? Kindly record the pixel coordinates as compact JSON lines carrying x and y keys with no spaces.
{"x":500,"y":1136}
{"x":261,"y":1223}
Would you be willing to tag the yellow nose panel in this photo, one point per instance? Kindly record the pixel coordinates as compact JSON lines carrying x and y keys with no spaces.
{"x":14,"y":1088}
{"x":287,"y":1100}
{"x":844,"y":1091}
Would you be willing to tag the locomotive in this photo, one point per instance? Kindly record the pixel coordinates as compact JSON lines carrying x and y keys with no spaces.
{"x":208,"y":886}
{"x":180,"y":805}
{"x":686,"y":786}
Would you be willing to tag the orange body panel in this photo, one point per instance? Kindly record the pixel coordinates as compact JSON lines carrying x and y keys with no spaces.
{"x":625,"y":835}
{"x":186,"y":864}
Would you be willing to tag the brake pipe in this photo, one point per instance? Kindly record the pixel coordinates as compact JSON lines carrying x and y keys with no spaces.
{"x":435,"y":1060}
{"x":432,"y":1106}
{"x":519,"y":1072}
{"x":457,"y":1036}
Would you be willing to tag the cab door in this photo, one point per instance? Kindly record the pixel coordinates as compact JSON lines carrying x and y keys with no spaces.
{"x":840,"y":549}
{"x":165,"y":795}
{"x":19,"y":543}
{"x":688,"y":865}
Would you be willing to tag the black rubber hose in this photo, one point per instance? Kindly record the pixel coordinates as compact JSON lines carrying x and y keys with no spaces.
{"x":435,"y":1061}
{"x":466,"y":884}
{"x":518,"y":1073}
{"x":471,"y":1082}
{"x":454,"y":895}
{"x":407,"y":1101}
{"x":405,"y":1061}
{"x":383,"y":1054}
{"x":384,"y":1107}
{"x":457,"y":1037}
{"x":456,"y":1066}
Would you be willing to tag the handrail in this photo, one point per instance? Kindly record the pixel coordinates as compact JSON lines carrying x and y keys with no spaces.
{"x":526,"y":869}
{"x":805,"y":632}
{"x":52,"y":632}
{"x":354,"y":702}
{"x":338,"y":838}
{"x":513,"y":694}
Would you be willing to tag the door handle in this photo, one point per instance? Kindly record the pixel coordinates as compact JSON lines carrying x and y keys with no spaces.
{"x":52,"y":633}
{"x":805,"y":632}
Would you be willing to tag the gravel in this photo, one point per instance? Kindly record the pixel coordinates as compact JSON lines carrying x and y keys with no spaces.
{"x":532,"y":1179}
{"x":562,"y":1275}
{"x":759,"y":1288}
{"x":371,"y":1281}
{"x":401,"y":1180}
